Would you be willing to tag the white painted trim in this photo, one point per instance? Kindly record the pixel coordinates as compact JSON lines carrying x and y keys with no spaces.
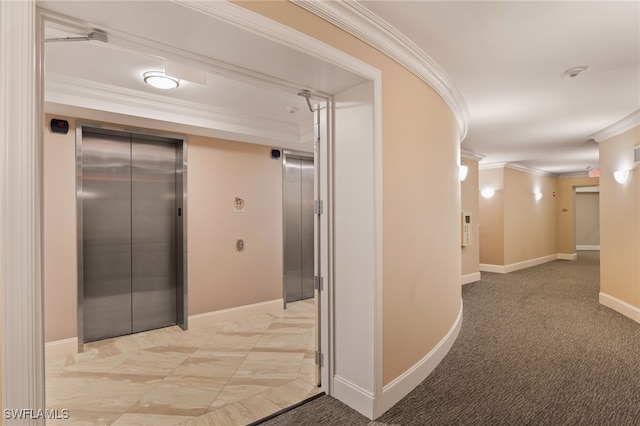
{"x":567,"y":256}
{"x":470,"y":278}
{"x":620,"y":306}
{"x":61,"y":348}
{"x":405,"y":383}
{"x":238,"y":313}
{"x":588,"y":247}
{"x":468,"y":155}
{"x":505,"y":269}
{"x":93,"y":95}
{"x":518,"y":167}
{"x":21,"y":135}
{"x":354,"y":396}
{"x":357,"y":20}
{"x":629,"y":122}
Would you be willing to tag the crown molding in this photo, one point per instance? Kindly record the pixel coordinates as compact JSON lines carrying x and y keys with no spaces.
{"x":574,"y":175}
{"x":358,"y":21}
{"x":517,"y":167}
{"x":93,"y":95}
{"x":468,"y":155}
{"x":627,"y":123}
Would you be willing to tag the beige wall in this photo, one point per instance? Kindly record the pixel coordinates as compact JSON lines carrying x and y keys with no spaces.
{"x":421,"y":260}
{"x":587,"y":219}
{"x":491,"y":213}
{"x":59,"y":234}
{"x":530,"y":225}
{"x":471,"y":203}
{"x":219,"y":276}
{"x":514,"y":226}
{"x":566,"y":213}
{"x":620,"y":220}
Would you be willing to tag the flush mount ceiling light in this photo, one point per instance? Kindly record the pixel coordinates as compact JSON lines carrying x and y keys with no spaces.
{"x":160,"y":80}
{"x":575,"y":71}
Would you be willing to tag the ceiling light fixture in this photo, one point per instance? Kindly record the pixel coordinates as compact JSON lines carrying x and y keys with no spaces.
{"x":538,"y":195}
{"x":160,"y":80}
{"x":575,"y":71}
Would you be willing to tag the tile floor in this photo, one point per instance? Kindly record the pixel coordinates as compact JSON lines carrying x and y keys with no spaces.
{"x":229,"y":374}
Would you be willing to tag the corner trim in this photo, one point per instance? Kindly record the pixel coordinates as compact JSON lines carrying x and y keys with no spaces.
{"x":505,"y":269}
{"x":354,"y":396}
{"x":360,"y":22}
{"x":233,"y":314}
{"x":407,"y":381}
{"x":619,"y":306}
{"x":470,"y":278}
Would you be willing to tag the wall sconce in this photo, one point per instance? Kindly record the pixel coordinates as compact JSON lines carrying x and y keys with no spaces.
{"x":621,"y":176}
{"x":538,"y":195}
{"x":462,"y":172}
{"x":488,"y":192}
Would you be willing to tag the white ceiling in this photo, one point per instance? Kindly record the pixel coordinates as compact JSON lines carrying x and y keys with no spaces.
{"x":506,"y":58}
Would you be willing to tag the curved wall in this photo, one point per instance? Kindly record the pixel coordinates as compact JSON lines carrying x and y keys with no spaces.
{"x":421,"y":199}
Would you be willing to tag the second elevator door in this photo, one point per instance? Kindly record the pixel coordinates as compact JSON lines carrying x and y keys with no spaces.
{"x":298,"y":228}
{"x":129,"y":234}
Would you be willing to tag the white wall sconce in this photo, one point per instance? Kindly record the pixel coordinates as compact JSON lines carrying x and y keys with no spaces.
{"x":488,"y":192}
{"x":160,"y":80}
{"x":621,"y":176}
{"x":462,"y":172}
{"x":537,"y":195}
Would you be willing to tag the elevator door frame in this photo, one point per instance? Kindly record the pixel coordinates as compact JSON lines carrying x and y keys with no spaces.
{"x":181,"y":222}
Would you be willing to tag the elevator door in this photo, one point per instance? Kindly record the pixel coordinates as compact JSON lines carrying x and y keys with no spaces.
{"x":128,"y":199}
{"x":298,"y":228}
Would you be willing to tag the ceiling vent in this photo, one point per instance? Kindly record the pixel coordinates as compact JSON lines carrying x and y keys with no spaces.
{"x":636,"y":154}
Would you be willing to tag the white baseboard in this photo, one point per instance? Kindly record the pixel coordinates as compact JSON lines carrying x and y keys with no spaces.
{"x":233,"y":314}
{"x":471,"y":278}
{"x":567,"y":256}
{"x":405,"y":383}
{"x":620,"y":306}
{"x":61,"y":348}
{"x":354,"y":396}
{"x":505,"y":269}
{"x":588,"y":247}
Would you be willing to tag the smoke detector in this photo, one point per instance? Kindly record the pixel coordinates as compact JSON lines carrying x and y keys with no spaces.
{"x":575,"y":71}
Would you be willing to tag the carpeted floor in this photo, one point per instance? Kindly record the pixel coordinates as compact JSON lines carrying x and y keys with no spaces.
{"x":535,"y":348}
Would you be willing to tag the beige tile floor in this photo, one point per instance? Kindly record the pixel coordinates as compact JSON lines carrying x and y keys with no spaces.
{"x":229,"y":374}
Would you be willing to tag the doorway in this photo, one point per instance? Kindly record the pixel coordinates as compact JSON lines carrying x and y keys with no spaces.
{"x":130,"y":209}
{"x":298,"y":196}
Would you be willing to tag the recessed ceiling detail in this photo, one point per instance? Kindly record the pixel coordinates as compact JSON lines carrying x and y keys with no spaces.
{"x":575,"y":71}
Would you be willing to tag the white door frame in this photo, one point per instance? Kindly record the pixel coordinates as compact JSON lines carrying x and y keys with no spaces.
{"x":21,"y":121}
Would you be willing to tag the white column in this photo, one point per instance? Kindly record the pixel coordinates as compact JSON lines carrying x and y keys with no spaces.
{"x":21,"y":213}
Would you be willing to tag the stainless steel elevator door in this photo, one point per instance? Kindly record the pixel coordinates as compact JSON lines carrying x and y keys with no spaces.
{"x":106,"y":229}
{"x":153,"y":234}
{"x":298,"y":228}
{"x":129,"y":247}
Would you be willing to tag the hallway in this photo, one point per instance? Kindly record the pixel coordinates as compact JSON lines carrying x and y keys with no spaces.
{"x":535,"y":348}
{"x":232,"y":373}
